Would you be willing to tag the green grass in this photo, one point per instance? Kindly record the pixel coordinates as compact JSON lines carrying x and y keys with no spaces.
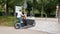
{"x":6,"y":20}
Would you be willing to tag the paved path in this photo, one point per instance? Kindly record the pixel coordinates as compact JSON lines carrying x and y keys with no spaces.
{"x":11,"y":30}
{"x":47,"y":24}
{"x":43,"y":25}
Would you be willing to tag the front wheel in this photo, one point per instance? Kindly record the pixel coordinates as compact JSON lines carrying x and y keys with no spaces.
{"x":17,"y":25}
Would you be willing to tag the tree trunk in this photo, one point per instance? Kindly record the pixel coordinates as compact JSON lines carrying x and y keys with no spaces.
{"x":42,"y":8}
{"x":34,"y":6}
{"x":48,"y":13}
{"x":42,"y":11}
{"x":7,"y":10}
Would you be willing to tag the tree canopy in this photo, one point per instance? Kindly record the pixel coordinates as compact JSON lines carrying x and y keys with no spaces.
{"x":48,"y":6}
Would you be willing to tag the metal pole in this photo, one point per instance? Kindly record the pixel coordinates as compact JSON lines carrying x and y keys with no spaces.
{"x":58,"y":18}
{"x":25,"y":6}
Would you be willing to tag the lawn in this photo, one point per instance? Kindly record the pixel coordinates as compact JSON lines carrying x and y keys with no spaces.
{"x":6,"y":20}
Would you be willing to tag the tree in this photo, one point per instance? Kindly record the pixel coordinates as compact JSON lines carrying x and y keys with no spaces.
{"x":29,"y":6}
{"x":50,"y":7}
{"x":47,"y":6}
{"x":11,"y":4}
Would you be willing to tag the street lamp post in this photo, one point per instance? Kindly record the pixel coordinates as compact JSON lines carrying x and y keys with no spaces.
{"x":25,"y":6}
{"x":57,"y":10}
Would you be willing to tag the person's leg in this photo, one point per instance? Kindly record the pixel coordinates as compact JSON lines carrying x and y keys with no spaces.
{"x":20,"y":22}
{"x":25,"y":22}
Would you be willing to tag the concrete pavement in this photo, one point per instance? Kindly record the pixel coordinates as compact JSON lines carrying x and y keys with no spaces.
{"x":11,"y":30}
{"x":43,"y":26}
{"x":50,"y":25}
